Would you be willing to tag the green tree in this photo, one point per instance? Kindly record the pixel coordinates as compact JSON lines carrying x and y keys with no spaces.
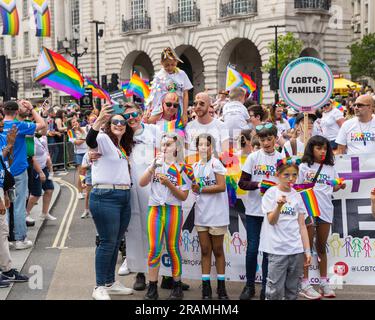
{"x":362,"y":63}
{"x":289,"y":49}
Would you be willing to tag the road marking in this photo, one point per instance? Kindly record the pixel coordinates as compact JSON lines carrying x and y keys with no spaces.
{"x":67,"y":212}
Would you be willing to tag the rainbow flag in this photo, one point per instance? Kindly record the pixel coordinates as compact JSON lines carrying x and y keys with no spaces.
{"x":248,"y":83}
{"x":231,"y":190}
{"x":265,"y":185}
{"x":303,"y":186}
{"x":54,"y":71}
{"x":9,"y":14}
{"x":137,"y":86}
{"x":42,"y":18}
{"x":124,"y":87}
{"x":173,"y":171}
{"x":311,"y":203}
{"x":97,"y":91}
{"x":71,"y":134}
{"x":339,"y":106}
{"x":234,"y":79}
{"x":336,"y":182}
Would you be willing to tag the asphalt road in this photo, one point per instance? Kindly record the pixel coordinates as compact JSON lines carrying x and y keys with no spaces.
{"x":62,"y":260}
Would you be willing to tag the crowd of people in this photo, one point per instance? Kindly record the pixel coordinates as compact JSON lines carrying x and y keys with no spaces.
{"x":139,"y":166}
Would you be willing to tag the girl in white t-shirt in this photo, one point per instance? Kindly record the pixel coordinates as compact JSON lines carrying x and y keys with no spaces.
{"x":284,"y":236}
{"x":168,"y":79}
{"x":169,"y":187}
{"x":283,"y":126}
{"x":319,"y":153}
{"x":211,"y":213}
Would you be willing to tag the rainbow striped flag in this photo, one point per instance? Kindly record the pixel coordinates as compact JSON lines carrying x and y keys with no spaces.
{"x":54,"y":71}
{"x":265,"y":185}
{"x":248,"y":83}
{"x":9,"y":14}
{"x":339,"y":106}
{"x":138,"y":87}
{"x":231,"y":190}
{"x":173,"y":171}
{"x":311,"y":203}
{"x":71,"y":134}
{"x":189,"y":171}
{"x":97,"y":91}
{"x":234,"y":79}
{"x":336,"y":182}
{"x":124,"y":87}
{"x":42,"y":18}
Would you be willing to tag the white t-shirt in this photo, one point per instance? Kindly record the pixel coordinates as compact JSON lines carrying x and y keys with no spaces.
{"x":282,"y":127}
{"x":112,"y":167}
{"x":357,"y":136}
{"x":284,"y":237}
{"x":300,"y":149}
{"x":317,"y":128}
{"x":261,"y":166}
{"x":211,"y":209}
{"x":86,"y":163}
{"x":216,"y":128}
{"x":329,"y":125}
{"x":235,"y":116}
{"x":162,"y":84}
{"x":162,"y":195}
{"x":81,"y":149}
{"x":323,"y":192}
{"x":41,"y":151}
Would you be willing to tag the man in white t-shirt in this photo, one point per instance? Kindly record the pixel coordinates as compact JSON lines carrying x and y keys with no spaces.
{"x":357,"y":135}
{"x":235,"y":115}
{"x":205,"y":124}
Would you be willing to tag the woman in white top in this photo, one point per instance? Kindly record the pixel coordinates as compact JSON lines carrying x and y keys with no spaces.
{"x":283,"y":126}
{"x":110,"y":196}
{"x":331,"y":123}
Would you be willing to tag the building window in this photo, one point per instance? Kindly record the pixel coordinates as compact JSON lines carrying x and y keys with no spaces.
{"x":14,"y":47}
{"x":185,"y":10}
{"x":27,"y":78}
{"x":75,"y":15}
{"x":138,"y":12}
{"x":40,"y":44}
{"x":1,"y":46}
{"x":26,"y":42}
{"x":25,"y":8}
{"x":15,"y":75}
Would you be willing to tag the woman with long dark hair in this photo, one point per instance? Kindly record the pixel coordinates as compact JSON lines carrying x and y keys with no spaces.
{"x":110,"y":196}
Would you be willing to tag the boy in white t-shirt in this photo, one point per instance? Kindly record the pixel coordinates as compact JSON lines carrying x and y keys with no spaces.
{"x":284,"y":235}
{"x":260,"y":165}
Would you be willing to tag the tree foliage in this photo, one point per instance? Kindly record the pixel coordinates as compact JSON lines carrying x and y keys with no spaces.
{"x":362,"y":63}
{"x":289,"y":49}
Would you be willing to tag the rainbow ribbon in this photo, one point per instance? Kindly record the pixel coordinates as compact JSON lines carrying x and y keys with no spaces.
{"x":265,"y":185}
{"x":311,"y":203}
{"x":336,"y":182}
{"x":123,"y":152}
{"x":173,"y":171}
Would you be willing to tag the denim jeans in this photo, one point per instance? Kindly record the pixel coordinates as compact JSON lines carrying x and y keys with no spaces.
{"x":111,"y":212}
{"x":253,"y":227}
{"x":19,"y":211}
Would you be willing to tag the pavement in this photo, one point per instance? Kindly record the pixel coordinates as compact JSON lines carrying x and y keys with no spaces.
{"x":20,"y":257}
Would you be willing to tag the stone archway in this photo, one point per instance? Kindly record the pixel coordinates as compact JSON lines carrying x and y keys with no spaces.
{"x":310,"y":52}
{"x":193,"y":66}
{"x":137,"y":61}
{"x":244,"y":55}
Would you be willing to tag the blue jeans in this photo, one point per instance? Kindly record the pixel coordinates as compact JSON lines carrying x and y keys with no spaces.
{"x":111,"y":212}
{"x":19,"y":205}
{"x":253,"y":227}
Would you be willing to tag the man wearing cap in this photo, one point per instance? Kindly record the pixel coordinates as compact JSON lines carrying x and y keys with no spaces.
{"x":357,"y":135}
{"x":20,"y":164}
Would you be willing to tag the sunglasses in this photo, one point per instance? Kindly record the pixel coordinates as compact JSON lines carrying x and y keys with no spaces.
{"x":133,"y":115}
{"x":201,"y":103}
{"x":360,"y":105}
{"x":264,"y":126}
{"x":174,"y":105}
{"x":116,"y":122}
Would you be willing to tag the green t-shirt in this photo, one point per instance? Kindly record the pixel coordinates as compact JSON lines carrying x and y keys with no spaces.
{"x":30,"y":146}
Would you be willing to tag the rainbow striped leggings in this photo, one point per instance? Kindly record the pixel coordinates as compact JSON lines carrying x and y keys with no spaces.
{"x":164,"y":220}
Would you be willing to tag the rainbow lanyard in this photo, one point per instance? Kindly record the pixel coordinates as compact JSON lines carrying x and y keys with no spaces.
{"x":123,"y":152}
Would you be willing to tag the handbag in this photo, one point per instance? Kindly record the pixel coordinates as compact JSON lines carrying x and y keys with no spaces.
{"x":9,"y":181}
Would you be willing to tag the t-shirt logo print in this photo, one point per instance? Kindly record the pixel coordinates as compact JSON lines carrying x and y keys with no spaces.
{"x":264,"y":170}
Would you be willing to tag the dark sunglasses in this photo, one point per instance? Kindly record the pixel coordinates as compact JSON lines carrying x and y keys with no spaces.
{"x":201,"y":103}
{"x":174,"y":105}
{"x":264,"y":126}
{"x":133,"y":115}
{"x":116,"y":122}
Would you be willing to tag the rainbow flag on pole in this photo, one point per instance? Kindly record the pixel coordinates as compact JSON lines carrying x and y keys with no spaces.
{"x":234,"y":79}
{"x":311,"y":203}
{"x":9,"y":14}
{"x":137,"y":86}
{"x":339,"y":106}
{"x":54,"y":71}
{"x":42,"y":18}
{"x":248,"y":83}
{"x":97,"y":91}
{"x":265,"y":185}
{"x":336,"y":182}
{"x":173,"y":171}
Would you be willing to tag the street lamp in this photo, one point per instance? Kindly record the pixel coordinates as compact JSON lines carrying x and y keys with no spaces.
{"x":75,"y":54}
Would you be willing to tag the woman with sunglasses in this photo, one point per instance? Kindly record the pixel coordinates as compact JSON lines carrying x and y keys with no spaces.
{"x":110,"y":196}
{"x":276,"y":117}
{"x":331,"y":123}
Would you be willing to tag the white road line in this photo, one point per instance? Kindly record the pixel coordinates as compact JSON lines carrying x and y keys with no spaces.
{"x":72,"y":211}
{"x":65,"y":216}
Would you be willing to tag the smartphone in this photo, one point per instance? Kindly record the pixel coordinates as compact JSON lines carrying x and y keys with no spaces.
{"x":118,"y":109}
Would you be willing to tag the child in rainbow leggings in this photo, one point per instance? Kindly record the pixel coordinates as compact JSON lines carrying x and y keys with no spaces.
{"x":169,"y":187}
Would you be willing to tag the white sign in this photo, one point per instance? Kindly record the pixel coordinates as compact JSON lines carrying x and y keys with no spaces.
{"x":306,"y":84}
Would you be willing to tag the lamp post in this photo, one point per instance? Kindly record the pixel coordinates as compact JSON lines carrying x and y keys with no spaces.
{"x":75,"y":54}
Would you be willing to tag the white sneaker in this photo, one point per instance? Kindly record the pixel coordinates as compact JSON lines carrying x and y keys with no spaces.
{"x":47,"y":217}
{"x":326,"y":291}
{"x":309,"y":292}
{"x":123,"y":270}
{"x":29,"y":219}
{"x":81,"y":196}
{"x":119,"y":289}
{"x":100,"y":293}
{"x":22,"y":245}
{"x":85,"y":214}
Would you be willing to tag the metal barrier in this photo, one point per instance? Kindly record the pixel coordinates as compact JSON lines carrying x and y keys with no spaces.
{"x":62,"y":153}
